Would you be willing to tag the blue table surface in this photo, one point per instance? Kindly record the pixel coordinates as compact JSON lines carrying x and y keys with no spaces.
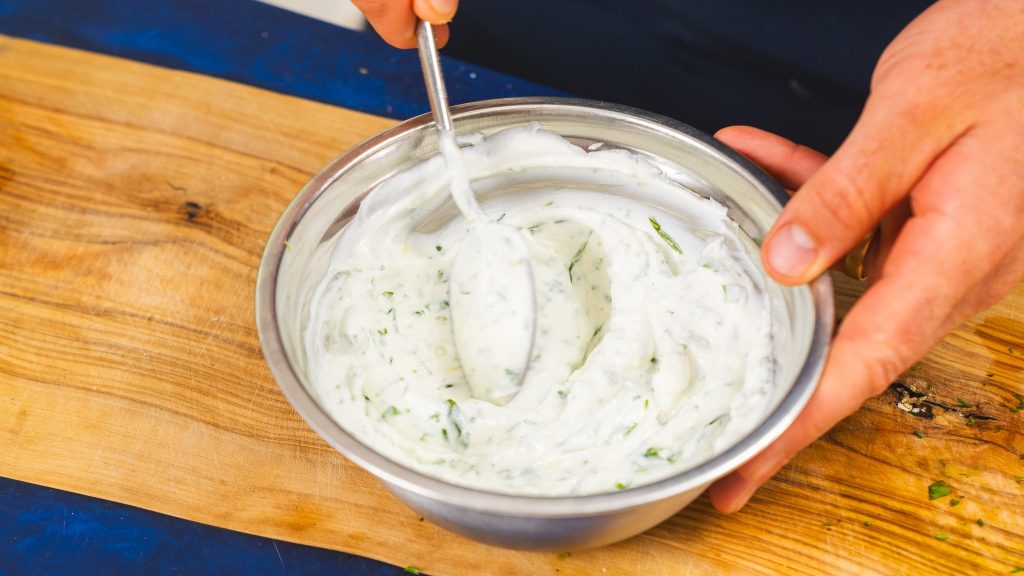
{"x":47,"y":531}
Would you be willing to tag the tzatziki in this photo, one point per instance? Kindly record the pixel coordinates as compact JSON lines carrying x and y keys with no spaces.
{"x":652,"y":345}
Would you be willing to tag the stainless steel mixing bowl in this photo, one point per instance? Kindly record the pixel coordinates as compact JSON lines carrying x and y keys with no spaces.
{"x":296,"y":257}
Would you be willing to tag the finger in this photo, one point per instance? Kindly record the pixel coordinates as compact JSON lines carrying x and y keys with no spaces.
{"x":942,"y":260}
{"x":890,"y":147}
{"x":786,"y":161}
{"x":395,"y":20}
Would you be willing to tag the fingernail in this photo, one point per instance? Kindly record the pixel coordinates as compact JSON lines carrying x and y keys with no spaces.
{"x":792,"y":251}
{"x":445,"y":8}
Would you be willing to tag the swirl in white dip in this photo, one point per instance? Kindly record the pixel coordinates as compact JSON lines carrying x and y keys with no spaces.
{"x":653,"y":347}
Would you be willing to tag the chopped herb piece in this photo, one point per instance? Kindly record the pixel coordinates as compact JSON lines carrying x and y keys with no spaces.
{"x":652,"y":453}
{"x":413,"y":569}
{"x":436,"y":416}
{"x":938,"y":490}
{"x":449,"y":385}
{"x":716,"y":419}
{"x":444,"y":433}
{"x":826,"y":525}
{"x":919,"y":434}
{"x":562,"y":394}
{"x":1022,"y":456}
{"x":533,"y":229}
{"x":620,"y":486}
{"x":868,"y":523}
{"x":1020,"y":403}
{"x":664,"y":235}
{"x":647,"y":403}
{"x":391,"y":411}
{"x":500,"y":218}
{"x":980,"y":522}
{"x":458,"y":430}
{"x":970,"y":421}
{"x":549,"y":202}
{"x":419,"y":312}
{"x":388,"y":293}
{"x":440,"y":275}
{"x":383,"y":331}
{"x":365,"y":397}
{"x":451,"y":406}
{"x":963,"y":402}
{"x":1017,"y":569}
{"x":564,"y":555}
{"x":942,"y":536}
{"x":561,"y":221}
{"x":444,"y":304}
{"x":438,"y":248}
{"x":955,"y":501}
{"x":576,"y":257}
{"x":654,"y":359}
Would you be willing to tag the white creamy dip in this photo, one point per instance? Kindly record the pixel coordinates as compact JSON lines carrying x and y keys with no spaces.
{"x":653,"y":337}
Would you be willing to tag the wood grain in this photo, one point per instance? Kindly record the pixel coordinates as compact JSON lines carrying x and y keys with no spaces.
{"x":134,"y":203}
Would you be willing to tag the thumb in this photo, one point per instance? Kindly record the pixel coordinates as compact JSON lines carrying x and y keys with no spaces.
{"x":891,"y":146}
{"x":435,"y":11}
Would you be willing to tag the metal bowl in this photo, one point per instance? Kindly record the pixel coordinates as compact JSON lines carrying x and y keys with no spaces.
{"x":296,"y":258}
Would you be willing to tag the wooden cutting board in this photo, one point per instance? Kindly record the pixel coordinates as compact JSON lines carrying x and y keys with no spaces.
{"x":134,"y":205}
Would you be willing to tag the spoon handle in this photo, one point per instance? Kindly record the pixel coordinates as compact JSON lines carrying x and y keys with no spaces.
{"x":431,"y":64}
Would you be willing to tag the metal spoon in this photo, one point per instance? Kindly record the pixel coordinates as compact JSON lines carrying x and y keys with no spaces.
{"x":490,"y":289}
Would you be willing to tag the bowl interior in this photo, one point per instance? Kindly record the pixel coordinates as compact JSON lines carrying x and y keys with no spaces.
{"x":298,"y":252}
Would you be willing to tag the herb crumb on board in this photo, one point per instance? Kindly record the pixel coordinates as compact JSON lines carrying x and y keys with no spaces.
{"x":938,"y":489}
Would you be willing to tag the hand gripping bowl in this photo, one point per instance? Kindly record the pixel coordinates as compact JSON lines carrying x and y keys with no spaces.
{"x":297,"y":253}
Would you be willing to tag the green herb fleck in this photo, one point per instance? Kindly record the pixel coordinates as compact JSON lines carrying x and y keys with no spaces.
{"x":419,"y":312}
{"x":955,"y":501}
{"x":620,"y":486}
{"x":827,"y":525}
{"x":652,"y":453}
{"x":449,"y":385}
{"x":388,"y":293}
{"x":383,"y":331}
{"x":980,"y":522}
{"x":451,"y":406}
{"x":444,"y":433}
{"x":365,"y":397}
{"x":970,"y":421}
{"x":391,"y":411}
{"x":500,"y":218}
{"x":716,"y":419}
{"x":630,"y":429}
{"x":942,"y":536}
{"x":647,"y":402}
{"x":664,"y":235}
{"x":445,"y":305}
{"x":413,"y":569}
{"x":1020,"y":403}
{"x":1017,"y":569}
{"x":963,"y":402}
{"x":576,"y":258}
{"x":564,"y":555}
{"x":868,"y":523}
{"x":654,"y":360}
{"x":562,"y":394}
{"x":438,"y":248}
{"x":440,"y":275}
{"x":533,"y":229}
{"x":938,"y":490}
{"x":919,"y":434}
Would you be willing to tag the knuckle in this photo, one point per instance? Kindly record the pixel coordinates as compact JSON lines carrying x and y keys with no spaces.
{"x":844,"y":200}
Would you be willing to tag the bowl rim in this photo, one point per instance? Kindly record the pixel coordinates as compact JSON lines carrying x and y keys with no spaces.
{"x":399,"y":476}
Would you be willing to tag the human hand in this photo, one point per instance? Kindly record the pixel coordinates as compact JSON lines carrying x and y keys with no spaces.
{"x":938,"y":146}
{"x":395,"y":20}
